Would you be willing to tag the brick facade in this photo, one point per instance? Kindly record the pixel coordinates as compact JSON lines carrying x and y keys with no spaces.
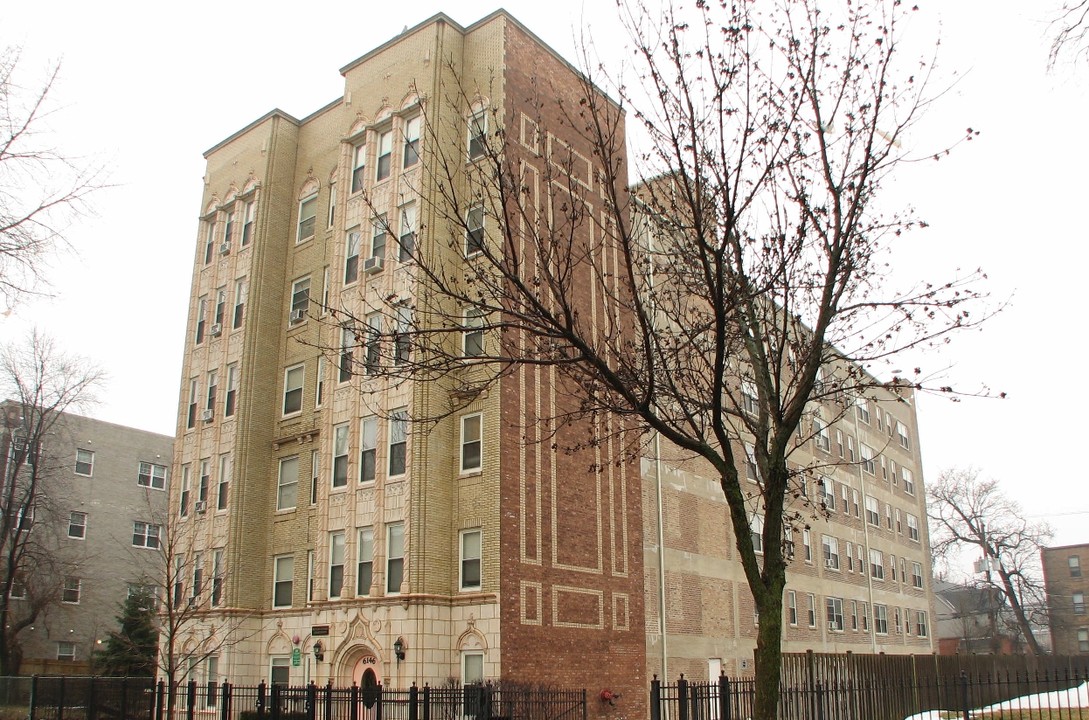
{"x":1066,"y":580}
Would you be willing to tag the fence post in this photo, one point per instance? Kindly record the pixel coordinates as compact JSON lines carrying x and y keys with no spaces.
{"x":413,"y":697}
{"x":274,"y":701}
{"x":160,"y":699}
{"x":261,"y":699}
{"x":60,"y":700}
{"x":682,"y":697}
{"x":427,"y":702}
{"x":353,"y":705}
{"x":723,"y":697}
{"x":311,"y":701}
{"x":655,"y":699}
{"x":125,"y":697}
{"x":584,"y":704}
{"x":225,"y":701}
{"x":378,"y":704}
{"x":191,"y":696}
{"x":92,"y":701}
{"x":328,"y":700}
{"x":964,"y":695}
{"x":820,"y":699}
{"x":33,"y":697}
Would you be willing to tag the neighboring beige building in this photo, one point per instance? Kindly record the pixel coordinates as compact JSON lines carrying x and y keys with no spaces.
{"x":1066,"y":582}
{"x":311,"y":510}
{"x":99,"y":508}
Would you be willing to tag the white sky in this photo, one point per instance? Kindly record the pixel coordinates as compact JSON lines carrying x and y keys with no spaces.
{"x":146,"y":88}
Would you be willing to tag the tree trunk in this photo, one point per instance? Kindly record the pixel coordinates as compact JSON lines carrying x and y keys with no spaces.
{"x":769,"y":656}
{"x":1019,"y":613}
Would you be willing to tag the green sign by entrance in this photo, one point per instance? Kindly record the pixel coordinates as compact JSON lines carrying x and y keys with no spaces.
{"x":296,"y":657}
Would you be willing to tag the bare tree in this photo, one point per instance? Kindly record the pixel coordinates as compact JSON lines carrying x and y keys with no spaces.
{"x":1071,"y":29}
{"x":967,"y":512}
{"x":41,"y":383}
{"x":41,"y":188}
{"x":717,"y":303}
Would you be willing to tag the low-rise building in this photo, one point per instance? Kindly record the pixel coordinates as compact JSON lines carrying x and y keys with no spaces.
{"x":1066,"y":581}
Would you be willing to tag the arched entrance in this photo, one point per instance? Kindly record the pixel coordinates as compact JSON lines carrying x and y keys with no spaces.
{"x":363,"y":668}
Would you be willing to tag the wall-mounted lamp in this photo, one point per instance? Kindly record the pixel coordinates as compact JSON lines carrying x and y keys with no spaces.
{"x":399,"y":649}
{"x":319,"y":651}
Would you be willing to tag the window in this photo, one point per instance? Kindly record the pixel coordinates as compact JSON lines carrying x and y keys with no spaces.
{"x":319,"y":385}
{"x":873,"y":515}
{"x":279,"y":671}
{"x":748,"y":397}
{"x":364,"y":562}
{"x":210,"y":401}
{"x":351,"y":257}
{"x":920,"y":623}
{"x":828,"y":492}
{"x":880,"y":620}
{"x":474,"y":230}
{"x":331,"y":216}
{"x":145,"y":535}
{"x":854,"y":615}
{"x":183,"y":505}
{"x":402,"y":338}
{"x":85,"y":462}
{"x":859,"y":561}
{"x":864,"y":612}
{"x":1074,"y":563}
{"x":226,"y":469}
{"x":310,"y":576}
{"x":472,"y":668}
{"x":867,"y":458}
{"x":820,"y":433}
{"x":385,"y":155}
{"x":807,"y":545}
{"x":373,"y":349}
{"x":471,"y":455}
{"x":903,"y":570}
{"x":839,"y":443}
{"x":308,"y":212}
{"x":178,"y":580}
{"x":792,"y":608}
{"x":833,"y":608}
{"x":917,"y":575}
{"x":470,"y":559}
{"x":66,"y":651}
{"x":909,"y":481}
{"x":232,"y":390}
{"x":205,"y":477}
{"x":877,"y":564}
{"x":336,"y":564}
{"x":902,"y":434}
{"x":315,"y":473}
{"x":899,"y":524}
{"x":848,"y":556}
{"x":830,"y":547}
{"x":472,"y":333}
{"x":282,"y":579}
{"x":221,"y":307}
{"x":411,"y":153}
{"x":913,"y":527}
{"x":241,"y":289}
{"x":812,"y":610}
{"x":77,"y":525}
{"x":70,"y":593}
{"x":344,"y":370}
{"x":293,"y":389}
{"x":752,"y":470}
{"x":888,"y":515}
{"x":1079,"y":603}
{"x":854,"y":503}
{"x":287,"y":483}
{"x":202,"y":316}
{"x":407,"y":240}
{"x":340,"y":455}
{"x":395,"y":557}
{"x":247,"y":222}
{"x":300,"y":301}
{"x":398,"y":435}
{"x":1083,"y":640}
{"x":209,"y":238}
{"x":378,"y":238}
{"x":478,"y":133}
{"x":359,"y":166}
{"x":368,"y":453}
{"x":756,"y":527}
{"x":151,"y":475}
{"x":217,"y":577}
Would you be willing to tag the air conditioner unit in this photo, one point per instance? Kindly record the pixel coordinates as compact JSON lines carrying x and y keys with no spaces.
{"x":832,"y":625}
{"x":830,"y":565}
{"x":372,"y":265}
{"x":207,"y":415}
{"x":298,"y":316}
{"x":216,"y":330}
{"x":200,"y":506}
{"x":224,"y":248}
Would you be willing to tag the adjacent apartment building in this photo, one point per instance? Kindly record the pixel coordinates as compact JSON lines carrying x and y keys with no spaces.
{"x":1067,"y":586}
{"x":346,"y":543}
{"x":86,"y":532}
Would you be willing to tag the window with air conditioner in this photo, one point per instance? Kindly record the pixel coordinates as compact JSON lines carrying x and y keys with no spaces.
{"x":300,"y":300}
{"x":834,"y":611}
{"x":830,"y":548}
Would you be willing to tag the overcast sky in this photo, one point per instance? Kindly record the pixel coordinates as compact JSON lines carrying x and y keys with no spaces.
{"x":146,"y":88}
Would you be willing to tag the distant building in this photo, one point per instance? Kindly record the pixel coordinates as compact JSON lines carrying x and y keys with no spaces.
{"x":1066,"y":580}
{"x":95,"y":521}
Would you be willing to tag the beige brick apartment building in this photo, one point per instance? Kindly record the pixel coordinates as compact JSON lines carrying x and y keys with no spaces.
{"x":1066,"y":581}
{"x":418,"y":552}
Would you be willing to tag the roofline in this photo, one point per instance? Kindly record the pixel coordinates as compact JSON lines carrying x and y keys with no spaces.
{"x":275,"y":112}
{"x":436,"y":18}
{"x":1066,"y":547}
